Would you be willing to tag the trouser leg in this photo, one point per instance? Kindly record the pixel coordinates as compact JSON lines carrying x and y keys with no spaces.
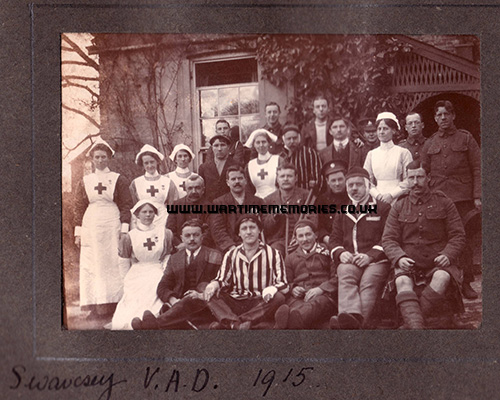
{"x":180,"y":312}
{"x":349,"y":277}
{"x":304,"y":314}
{"x":370,"y":287}
{"x":263,"y":311}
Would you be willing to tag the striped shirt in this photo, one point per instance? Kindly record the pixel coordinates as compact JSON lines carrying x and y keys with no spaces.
{"x":308,"y":165}
{"x":248,"y":278}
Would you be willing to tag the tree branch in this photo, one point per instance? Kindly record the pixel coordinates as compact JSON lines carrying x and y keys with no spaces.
{"x":84,"y":64}
{"x":88,"y":137}
{"x":82,"y":78}
{"x":69,"y":83}
{"x":80,"y":52}
{"x":90,"y":119}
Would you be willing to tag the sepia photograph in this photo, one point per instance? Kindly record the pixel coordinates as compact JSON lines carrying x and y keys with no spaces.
{"x":271,"y":182}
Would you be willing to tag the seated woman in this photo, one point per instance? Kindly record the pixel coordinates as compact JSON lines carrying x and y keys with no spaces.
{"x":182,"y":156}
{"x":146,"y":246}
{"x":387,"y":163}
{"x":159,"y":189}
{"x":262,"y":170}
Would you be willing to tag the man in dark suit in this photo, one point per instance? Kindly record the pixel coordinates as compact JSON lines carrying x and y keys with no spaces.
{"x":187,"y":274}
{"x":214,"y":172}
{"x":195,"y":188}
{"x":315,"y":133}
{"x":223,"y":225}
{"x":343,"y":148}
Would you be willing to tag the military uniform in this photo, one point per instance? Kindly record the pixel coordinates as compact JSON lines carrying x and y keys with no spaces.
{"x":311,"y":270}
{"x":414,"y":144}
{"x":325,"y":222}
{"x":421,"y":228}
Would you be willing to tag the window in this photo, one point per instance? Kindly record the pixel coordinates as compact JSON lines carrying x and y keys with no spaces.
{"x":228,"y":90}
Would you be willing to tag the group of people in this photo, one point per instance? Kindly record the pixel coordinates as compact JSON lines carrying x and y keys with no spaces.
{"x":397,"y":228}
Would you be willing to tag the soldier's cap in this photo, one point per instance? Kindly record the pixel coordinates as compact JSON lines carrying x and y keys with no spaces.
{"x":245,"y":218}
{"x":222,"y":138}
{"x":367,"y":123}
{"x":332,"y":167}
{"x":291,"y":127}
{"x":357,"y":171}
{"x":303,"y":223}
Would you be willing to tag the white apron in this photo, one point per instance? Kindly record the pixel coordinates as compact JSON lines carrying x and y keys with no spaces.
{"x":263,"y":176}
{"x":179,"y":182}
{"x":101,"y":280}
{"x":141,"y":281}
{"x":157,"y":192}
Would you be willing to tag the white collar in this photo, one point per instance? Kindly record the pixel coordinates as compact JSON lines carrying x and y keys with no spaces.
{"x":312,"y":249}
{"x":143,"y":227}
{"x":344,"y":142}
{"x":387,"y":145}
{"x":148,"y":175}
{"x":196,"y":252}
{"x":264,"y":157}
{"x":180,"y":170}
{"x":104,"y":171}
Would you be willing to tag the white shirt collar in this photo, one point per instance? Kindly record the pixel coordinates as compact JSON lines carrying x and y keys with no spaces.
{"x":263,"y":157}
{"x":148,"y":175}
{"x":387,"y":145}
{"x":196,"y":252}
{"x":312,"y":250}
{"x":104,"y":171}
{"x":180,"y":170}
{"x":337,"y":143}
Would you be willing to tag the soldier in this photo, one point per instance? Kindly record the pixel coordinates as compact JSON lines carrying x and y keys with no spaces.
{"x":315,"y":134}
{"x":236,"y":149}
{"x":181,"y":288}
{"x":362,"y":265}
{"x":423,"y":239}
{"x":222,"y":225}
{"x":312,"y":279}
{"x":278,"y":228}
{"x":368,"y":130}
{"x":305,"y":159}
{"x":251,"y":281}
{"x":415,"y":140}
{"x":454,"y":160}
{"x":334,"y":173}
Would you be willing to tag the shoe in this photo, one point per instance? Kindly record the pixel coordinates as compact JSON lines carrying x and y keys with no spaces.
{"x":149,"y":321}
{"x":215,"y":326}
{"x":245,"y":326}
{"x":281,"y":317}
{"x":350,"y":321}
{"x":334,"y":322}
{"x":136,"y":324}
{"x":468,"y":292}
{"x":295,"y":321}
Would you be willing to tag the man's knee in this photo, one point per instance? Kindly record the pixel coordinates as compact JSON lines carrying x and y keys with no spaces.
{"x":404,"y":283}
{"x":441,"y":277}
{"x":346,"y":271}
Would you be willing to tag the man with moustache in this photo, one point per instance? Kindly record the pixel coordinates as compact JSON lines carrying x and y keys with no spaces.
{"x":305,"y":159}
{"x":342,"y":148}
{"x":362,"y":266}
{"x":195,"y":189}
{"x":222,"y":225}
{"x":454,"y":160}
{"x":336,"y":193}
{"x":312,"y":279}
{"x":368,"y":130}
{"x":214,"y":172}
{"x":423,"y":239}
{"x":315,"y":134}
{"x":187,"y":274}
{"x":276,"y":225}
{"x":415,"y":140}
{"x":251,"y":281}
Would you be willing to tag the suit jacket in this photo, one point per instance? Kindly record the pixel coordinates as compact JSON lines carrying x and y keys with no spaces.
{"x":274,"y":224}
{"x":356,"y":155}
{"x":207,"y":263}
{"x":215,"y":184}
{"x":311,"y":270}
{"x":309,"y":135}
{"x":222,"y":226}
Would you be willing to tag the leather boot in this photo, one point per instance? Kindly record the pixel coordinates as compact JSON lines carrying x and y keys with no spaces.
{"x":409,"y":308}
{"x":435,"y":309}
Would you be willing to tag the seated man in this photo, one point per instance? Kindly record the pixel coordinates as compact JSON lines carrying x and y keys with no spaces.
{"x":312,"y":279}
{"x":195,"y":197}
{"x":222,"y":225}
{"x":423,"y":239}
{"x":355,"y":242}
{"x":187,"y":274}
{"x":251,"y":282}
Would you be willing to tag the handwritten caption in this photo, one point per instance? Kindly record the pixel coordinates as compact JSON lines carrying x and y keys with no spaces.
{"x":157,"y":380}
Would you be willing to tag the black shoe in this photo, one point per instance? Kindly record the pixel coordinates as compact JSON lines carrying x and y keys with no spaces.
{"x":334,"y":322}
{"x":281,"y":317}
{"x":295,"y":320}
{"x":149,"y":321}
{"x":350,"y":321}
{"x":468,"y":292}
